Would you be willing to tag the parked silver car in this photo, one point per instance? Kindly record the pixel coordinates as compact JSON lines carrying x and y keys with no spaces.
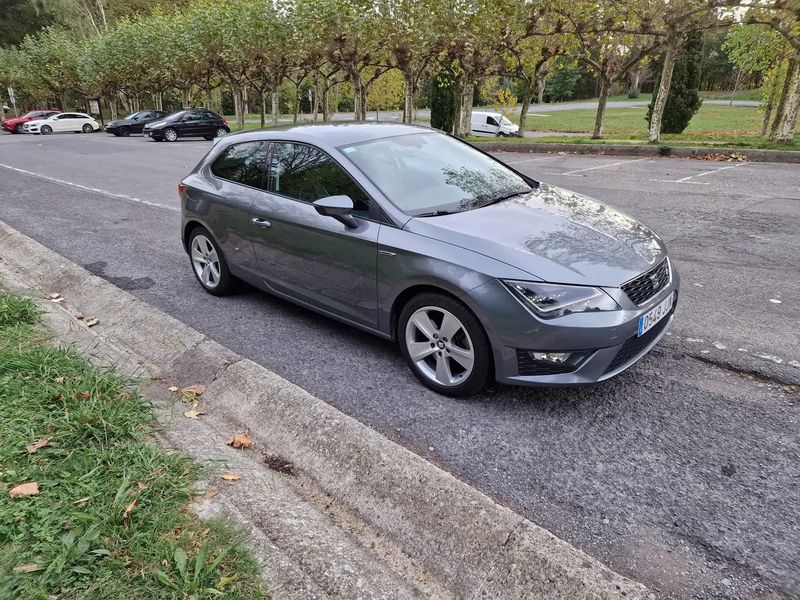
{"x":478,"y":271}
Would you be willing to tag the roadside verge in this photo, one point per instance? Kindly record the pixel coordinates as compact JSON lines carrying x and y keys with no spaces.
{"x":359,"y":516}
{"x":781,"y":156}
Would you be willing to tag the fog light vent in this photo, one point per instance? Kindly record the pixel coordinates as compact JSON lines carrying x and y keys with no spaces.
{"x":537,"y":362}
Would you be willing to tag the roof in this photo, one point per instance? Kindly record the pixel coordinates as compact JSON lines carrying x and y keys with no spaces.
{"x":333,"y":134}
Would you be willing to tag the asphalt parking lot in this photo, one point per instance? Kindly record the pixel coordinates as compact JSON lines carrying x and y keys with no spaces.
{"x":682,"y":472}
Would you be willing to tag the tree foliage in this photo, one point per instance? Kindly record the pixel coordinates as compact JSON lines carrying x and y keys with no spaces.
{"x":683,"y":100}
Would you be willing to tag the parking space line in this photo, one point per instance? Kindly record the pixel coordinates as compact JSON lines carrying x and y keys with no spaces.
{"x":526,"y":160}
{"x":91,"y":189}
{"x":702,"y":174}
{"x":616,"y":164}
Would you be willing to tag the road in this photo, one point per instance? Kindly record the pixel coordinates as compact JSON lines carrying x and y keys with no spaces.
{"x":682,"y":473}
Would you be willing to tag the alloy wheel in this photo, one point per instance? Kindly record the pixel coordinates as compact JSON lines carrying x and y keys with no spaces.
{"x":439,"y":345}
{"x":46,"y":129}
{"x":19,"y":128}
{"x":87,"y":128}
{"x":205,"y":261}
{"x":171,"y":135}
{"x":221,"y":131}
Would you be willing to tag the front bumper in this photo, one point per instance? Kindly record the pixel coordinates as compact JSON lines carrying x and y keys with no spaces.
{"x":608,"y":340}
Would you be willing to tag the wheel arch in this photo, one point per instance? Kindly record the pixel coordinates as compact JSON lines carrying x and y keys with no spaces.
{"x":414,"y":290}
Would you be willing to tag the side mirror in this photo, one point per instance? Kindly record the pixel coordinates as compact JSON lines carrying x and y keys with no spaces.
{"x":338,"y":207}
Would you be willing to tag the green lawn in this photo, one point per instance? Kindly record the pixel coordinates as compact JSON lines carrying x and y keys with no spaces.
{"x":109,"y":518}
{"x":737,"y":126}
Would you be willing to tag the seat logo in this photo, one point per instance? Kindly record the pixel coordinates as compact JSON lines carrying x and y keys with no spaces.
{"x":655,"y":281}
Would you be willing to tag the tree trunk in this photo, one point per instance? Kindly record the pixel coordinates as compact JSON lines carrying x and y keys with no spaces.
{"x":779,"y":111}
{"x":245,"y":102}
{"x":236,"y":106}
{"x":263,"y":108}
{"x":276,"y":102}
{"x":765,"y":120}
{"x":663,"y":89}
{"x":296,"y":106}
{"x":788,"y":121}
{"x":463,"y":121}
{"x":184,"y":97}
{"x":541,"y":81}
{"x":523,"y":113}
{"x":364,"y":99}
{"x":634,"y":75}
{"x":408,"y":98}
{"x":605,"y":87}
{"x":326,"y":103}
{"x":357,"y":96}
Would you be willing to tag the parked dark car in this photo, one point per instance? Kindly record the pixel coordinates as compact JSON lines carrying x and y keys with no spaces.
{"x":195,"y":122}
{"x":478,"y":271}
{"x":134,"y":123}
{"x":15,"y":125}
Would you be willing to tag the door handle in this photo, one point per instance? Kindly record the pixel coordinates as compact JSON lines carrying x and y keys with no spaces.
{"x":263,"y":223}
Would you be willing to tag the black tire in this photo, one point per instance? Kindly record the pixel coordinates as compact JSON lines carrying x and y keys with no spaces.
{"x":208,"y":137}
{"x":220,"y":132}
{"x":46,"y":130}
{"x":227,"y":283}
{"x":169,"y":132}
{"x":124,"y":131}
{"x":19,"y":128}
{"x":483,"y":366}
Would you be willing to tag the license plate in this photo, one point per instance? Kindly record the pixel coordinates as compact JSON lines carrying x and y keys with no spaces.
{"x":650,"y":318}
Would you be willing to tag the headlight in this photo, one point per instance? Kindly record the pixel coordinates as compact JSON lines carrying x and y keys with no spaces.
{"x":549,"y":301}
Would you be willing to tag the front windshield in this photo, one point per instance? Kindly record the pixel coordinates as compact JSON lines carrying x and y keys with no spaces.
{"x":424,"y":174}
{"x":130,"y":116}
{"x":504,"y":121}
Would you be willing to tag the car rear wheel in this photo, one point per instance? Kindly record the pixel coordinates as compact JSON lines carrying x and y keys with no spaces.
{"x":445,"y":345}
{"x":209,"y":264}
{"x":19,"y":128}
{"x":170,"y":134}
{"x":220,"y":131}
{"x":87,"y":128}
{"x":124,"y":131}
{"x":46,"y":129}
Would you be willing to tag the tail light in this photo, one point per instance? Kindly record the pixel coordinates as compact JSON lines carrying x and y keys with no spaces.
{"x":180,"y":189}
{"x":225,"y":121}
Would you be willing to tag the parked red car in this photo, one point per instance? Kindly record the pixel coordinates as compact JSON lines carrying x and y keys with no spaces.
{"x":15,"y":125}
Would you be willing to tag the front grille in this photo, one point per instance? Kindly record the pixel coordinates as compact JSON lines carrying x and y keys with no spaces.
{"x":636,"y":345}
{"x":644,"y":287}
{"x":528,"y":366}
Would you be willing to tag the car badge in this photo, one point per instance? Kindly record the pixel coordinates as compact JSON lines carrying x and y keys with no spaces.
{"x":655,"y":281}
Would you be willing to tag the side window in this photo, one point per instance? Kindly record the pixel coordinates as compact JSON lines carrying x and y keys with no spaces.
{"x":242,"y":163}
{"x":491,"y":121}
{"x":308,"y":174}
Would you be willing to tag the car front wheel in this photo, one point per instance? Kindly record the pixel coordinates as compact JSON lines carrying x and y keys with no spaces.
{"x":170,"y":134}
{"x":209,"y":264}
{"x":445,"y":345}
{"x":46,"y":129}
{"x":19,"y":128}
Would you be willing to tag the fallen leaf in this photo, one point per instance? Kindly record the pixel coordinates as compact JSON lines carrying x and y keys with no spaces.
{"x":59,"y":380}
{"x":82,"y":500}
{"x":241,"y":440}
{"x":204,"y":533}
{"x":197,"y":390}
{"x":193,"y":414}
{"x":126,"y":516}
{"x":141,"y":486}
{"x":29,"y":568}
{"x":25,"y":489}
{"x":211,"y":493}
{"x":57,"y":300}
{"x":226,"y":581}
{"x":79,"y":316}
{"x":91,"y":322}
{"x":173,"y":389}
{"x":54,"y":295}
{"x":82,"y":395}
{"x":230,"y":476}
{"x":40,"y":443}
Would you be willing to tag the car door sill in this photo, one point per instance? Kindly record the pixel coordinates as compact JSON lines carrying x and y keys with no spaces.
{"x":268,"y":288}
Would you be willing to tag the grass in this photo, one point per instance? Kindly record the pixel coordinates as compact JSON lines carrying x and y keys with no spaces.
{"x":110,"y":521}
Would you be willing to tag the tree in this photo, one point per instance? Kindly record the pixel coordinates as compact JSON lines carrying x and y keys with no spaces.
{"x":51,"y":57}
{"x":443,"y":100}
{"x":683,"y":100}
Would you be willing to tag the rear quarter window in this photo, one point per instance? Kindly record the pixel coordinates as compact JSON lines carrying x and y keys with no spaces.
{"x":242,"y":163}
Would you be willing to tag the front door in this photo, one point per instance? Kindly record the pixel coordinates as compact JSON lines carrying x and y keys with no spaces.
{"x":305,"y":255}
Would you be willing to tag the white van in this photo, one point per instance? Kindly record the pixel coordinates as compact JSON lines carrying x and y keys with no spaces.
{"x":492,"y":124}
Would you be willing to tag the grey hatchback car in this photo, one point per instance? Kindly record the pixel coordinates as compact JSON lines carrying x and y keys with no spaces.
{"x":478,"y":271}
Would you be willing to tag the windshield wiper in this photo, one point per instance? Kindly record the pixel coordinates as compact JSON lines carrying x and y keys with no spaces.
{"x":435,"y":213}
{"x":505,"y":197}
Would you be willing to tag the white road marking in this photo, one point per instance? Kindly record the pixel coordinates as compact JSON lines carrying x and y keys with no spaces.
{"x":91,"y":189}
{"x":525,"y":160}
{"x":702,"y":174}
{"x":616,"y":164}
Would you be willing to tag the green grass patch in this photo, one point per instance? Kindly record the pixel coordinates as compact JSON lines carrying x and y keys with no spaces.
{"x":110,"y":521}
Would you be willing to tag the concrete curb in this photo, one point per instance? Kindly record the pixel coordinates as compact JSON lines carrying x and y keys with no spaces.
{"x":457,"y":537}
{"x":782,"y":156}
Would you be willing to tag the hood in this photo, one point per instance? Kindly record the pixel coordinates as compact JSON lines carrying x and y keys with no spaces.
{"x":555,"y":235}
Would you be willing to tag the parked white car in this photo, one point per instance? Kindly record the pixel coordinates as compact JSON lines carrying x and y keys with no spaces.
{"x":62,"y":122}
{"x":492,"y":124}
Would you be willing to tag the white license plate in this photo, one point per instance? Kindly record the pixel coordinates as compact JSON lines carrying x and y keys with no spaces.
{"x":650,"y":318}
